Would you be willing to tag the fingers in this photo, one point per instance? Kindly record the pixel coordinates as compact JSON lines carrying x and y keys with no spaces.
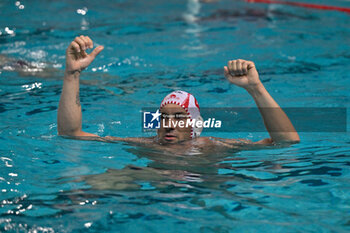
{"x":80,"y":42}
{"x":230,"y":66}
{"x":75,"y":46}
{"x":238,"y":67}
{"x":244,"y":67}
{"x":84,"y":42}
{"x":239,"y":70}
{"x":90,"y":43}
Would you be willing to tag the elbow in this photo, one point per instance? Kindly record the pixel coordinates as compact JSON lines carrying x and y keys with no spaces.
{"x":62,"y":132}
{"x":66,"y":129}
{"x":293,"y":140}
{"x":297,"y":139}
{"x":291,"y":137}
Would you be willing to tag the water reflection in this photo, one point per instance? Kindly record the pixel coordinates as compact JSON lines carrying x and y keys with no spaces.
{"x":194,"y":29}
{"x":164,"y":169}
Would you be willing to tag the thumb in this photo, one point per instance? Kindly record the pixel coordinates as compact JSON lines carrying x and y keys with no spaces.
{"x":226,"y":73}
{"x":96,"y":51}
{"x":251,"y":65}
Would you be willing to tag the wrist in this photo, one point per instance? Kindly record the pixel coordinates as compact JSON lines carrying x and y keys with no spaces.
{"x":71,"y":72}
{"x":74,"y":74}
{"x":256,"y":90}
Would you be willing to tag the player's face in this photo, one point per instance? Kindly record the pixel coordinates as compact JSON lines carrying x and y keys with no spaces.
{"x":171,"y":129}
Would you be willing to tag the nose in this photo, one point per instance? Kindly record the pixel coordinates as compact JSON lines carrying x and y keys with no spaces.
{"x":170,"y":125}
{"x":169,"y":129}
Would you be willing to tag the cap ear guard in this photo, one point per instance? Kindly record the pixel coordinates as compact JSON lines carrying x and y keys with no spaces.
{"x":197,"y":130}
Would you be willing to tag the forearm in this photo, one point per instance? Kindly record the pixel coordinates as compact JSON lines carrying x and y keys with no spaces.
{"x":69,"y":116}
{"x":276,"y":121}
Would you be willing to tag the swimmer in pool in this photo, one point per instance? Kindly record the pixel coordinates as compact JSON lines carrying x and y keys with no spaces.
{"x":177,"y":106}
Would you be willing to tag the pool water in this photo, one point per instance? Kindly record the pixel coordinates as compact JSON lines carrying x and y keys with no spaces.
{"x":54,"y":184}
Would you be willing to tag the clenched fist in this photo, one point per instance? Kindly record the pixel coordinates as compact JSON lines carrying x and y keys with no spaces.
{"x":76,"y":57}
{"x":242,"y":73}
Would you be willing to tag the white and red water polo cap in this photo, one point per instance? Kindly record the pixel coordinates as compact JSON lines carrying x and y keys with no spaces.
{"x":187,"y":102}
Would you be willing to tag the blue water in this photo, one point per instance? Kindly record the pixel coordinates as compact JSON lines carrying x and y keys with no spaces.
{"x":54,"y":184}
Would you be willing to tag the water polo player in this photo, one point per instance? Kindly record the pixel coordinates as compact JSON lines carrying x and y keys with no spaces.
{"x":177,"y":106}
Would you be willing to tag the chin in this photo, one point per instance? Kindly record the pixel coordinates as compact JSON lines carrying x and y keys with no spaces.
{"x":163,"y":141}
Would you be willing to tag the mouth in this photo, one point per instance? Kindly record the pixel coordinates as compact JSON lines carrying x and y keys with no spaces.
{"x":169,"y":137}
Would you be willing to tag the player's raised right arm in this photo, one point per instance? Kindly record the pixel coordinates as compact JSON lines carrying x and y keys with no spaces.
{"x":69,"y":116}
{"x":244,"y":74}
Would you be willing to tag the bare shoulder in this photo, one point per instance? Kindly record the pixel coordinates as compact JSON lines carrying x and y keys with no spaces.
{"x":234,"y":141}
{"x":227,"y":140}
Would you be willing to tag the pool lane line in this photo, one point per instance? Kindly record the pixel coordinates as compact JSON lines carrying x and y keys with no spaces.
{"x":301,"y":4}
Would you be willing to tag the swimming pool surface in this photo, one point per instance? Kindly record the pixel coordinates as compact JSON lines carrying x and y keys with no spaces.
{"x":54,"y":184}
